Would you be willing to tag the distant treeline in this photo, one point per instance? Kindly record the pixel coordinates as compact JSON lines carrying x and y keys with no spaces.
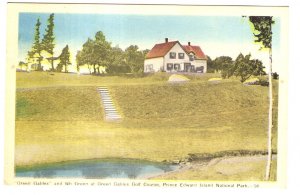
{"x":243,"y":66}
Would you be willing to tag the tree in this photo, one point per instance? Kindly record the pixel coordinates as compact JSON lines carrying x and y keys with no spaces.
{"x":95,"y":53}
{"x":210,"y":65}
{"x":134,"y":58}
{"x":223,"y":63}
{"x":64,"y":59}
{"x":101,"y":50}
{"x":34,"y":55}
{"x":78,"y":60}
{"x":117,"y":61}
{"x":275,"y":75}
{"x":84,"y":56}
{"x":262,"y":32}
{"x":244,"y":67}
{"x":21,"y":64}
{"x":48,"y":39}
{"x":145,"y":52}
{"x":37,"y":44}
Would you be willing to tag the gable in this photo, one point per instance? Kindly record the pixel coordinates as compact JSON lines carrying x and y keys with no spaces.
{"x":161,"y":49}
{"x":196,"y":50}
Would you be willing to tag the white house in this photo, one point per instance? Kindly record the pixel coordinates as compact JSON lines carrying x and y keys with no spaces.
{"x":174,"y":57}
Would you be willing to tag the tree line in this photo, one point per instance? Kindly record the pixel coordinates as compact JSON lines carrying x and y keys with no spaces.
{"x":243,"y":66}
{"x":98,"y":53}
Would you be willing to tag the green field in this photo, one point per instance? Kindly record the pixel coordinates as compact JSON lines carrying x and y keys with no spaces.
{"x":59,"y":117}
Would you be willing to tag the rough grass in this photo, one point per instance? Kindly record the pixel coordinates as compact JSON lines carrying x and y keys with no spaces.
{"x":61,"y":116}
{"x":190,"y":99}
{"x":48,"y":79}
{"x":227,"y":111}
{"x":58,"y":104}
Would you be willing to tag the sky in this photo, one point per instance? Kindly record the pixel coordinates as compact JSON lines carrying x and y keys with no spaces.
{"x":216,"y":35}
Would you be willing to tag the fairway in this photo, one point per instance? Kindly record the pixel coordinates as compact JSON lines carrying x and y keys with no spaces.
{"x":161,"y":121}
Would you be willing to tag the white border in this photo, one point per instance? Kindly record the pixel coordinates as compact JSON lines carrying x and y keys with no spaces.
{"x":294,"y":97}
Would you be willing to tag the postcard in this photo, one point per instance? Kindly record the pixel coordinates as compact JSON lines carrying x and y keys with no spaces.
{"x":146,"y":95}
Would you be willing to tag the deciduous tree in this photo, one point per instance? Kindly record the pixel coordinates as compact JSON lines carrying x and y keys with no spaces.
{"x":262,"y":31}
{"x":134,"y":58}
{"x":223,"y":63}
{"x":95,"y":53}
{"x":245,"y":67}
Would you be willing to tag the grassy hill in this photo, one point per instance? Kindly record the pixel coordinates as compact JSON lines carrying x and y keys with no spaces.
{"x":58,"y":104}
{"x":61,"y":115}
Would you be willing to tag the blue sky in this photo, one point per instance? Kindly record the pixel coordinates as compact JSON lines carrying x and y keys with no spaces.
{"x":216,"y":35}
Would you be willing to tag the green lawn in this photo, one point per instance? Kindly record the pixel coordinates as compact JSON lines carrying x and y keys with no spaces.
{"x":61,"y":116}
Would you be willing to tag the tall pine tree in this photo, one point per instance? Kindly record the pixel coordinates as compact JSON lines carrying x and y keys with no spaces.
{"x":34,"y":55}
{"x":48,"y":39}
{"x":37,"y":44}
{"x":64,"y":59}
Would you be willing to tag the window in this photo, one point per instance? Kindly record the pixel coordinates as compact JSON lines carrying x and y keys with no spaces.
{"x":193,"y":68}
{"x":191,"y":57}
{"x":200,"y":69}
{"x":181,"y":55}
{"x":177,"y":67}
{"x":172,"y":55}
{"x":169,"y":66}
{"x":149,"y":68}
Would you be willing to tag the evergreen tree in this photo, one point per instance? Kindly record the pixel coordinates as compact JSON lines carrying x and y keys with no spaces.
{"x":48,"y":39}
{"x":34,"y":55}
{"x":64,"y":59}
{"x":37,"y":43}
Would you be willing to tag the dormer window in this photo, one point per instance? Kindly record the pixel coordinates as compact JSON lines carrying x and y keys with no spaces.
{"x":192,"y":57}
{"x":172,"y":55}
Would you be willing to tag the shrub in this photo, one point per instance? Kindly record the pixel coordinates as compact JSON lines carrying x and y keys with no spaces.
{"x":275,"y":75}
{"x":263,"y":82}
{"x":255,"y":81}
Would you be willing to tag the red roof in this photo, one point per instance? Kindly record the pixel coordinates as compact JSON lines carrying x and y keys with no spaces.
{"x":199,"y":54}
{"x":160,"y":50}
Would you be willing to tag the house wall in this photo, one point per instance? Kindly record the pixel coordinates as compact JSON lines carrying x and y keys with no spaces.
{"x":199,"y":63}
{"x":45,"y":63}
{"x":177,"y":49}
{"x":157,"y":64}
{"x":161,"y":63}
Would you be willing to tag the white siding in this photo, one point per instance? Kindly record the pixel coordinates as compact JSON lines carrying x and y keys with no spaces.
{"x":177,"y":49}
{"x":160,"y":63}
{"x":157,"y":64}
{"x":203,"y":63}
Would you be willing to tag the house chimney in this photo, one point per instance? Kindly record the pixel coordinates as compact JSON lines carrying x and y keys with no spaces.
{"x":166,"y":40}
{"x":189,"y":43}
